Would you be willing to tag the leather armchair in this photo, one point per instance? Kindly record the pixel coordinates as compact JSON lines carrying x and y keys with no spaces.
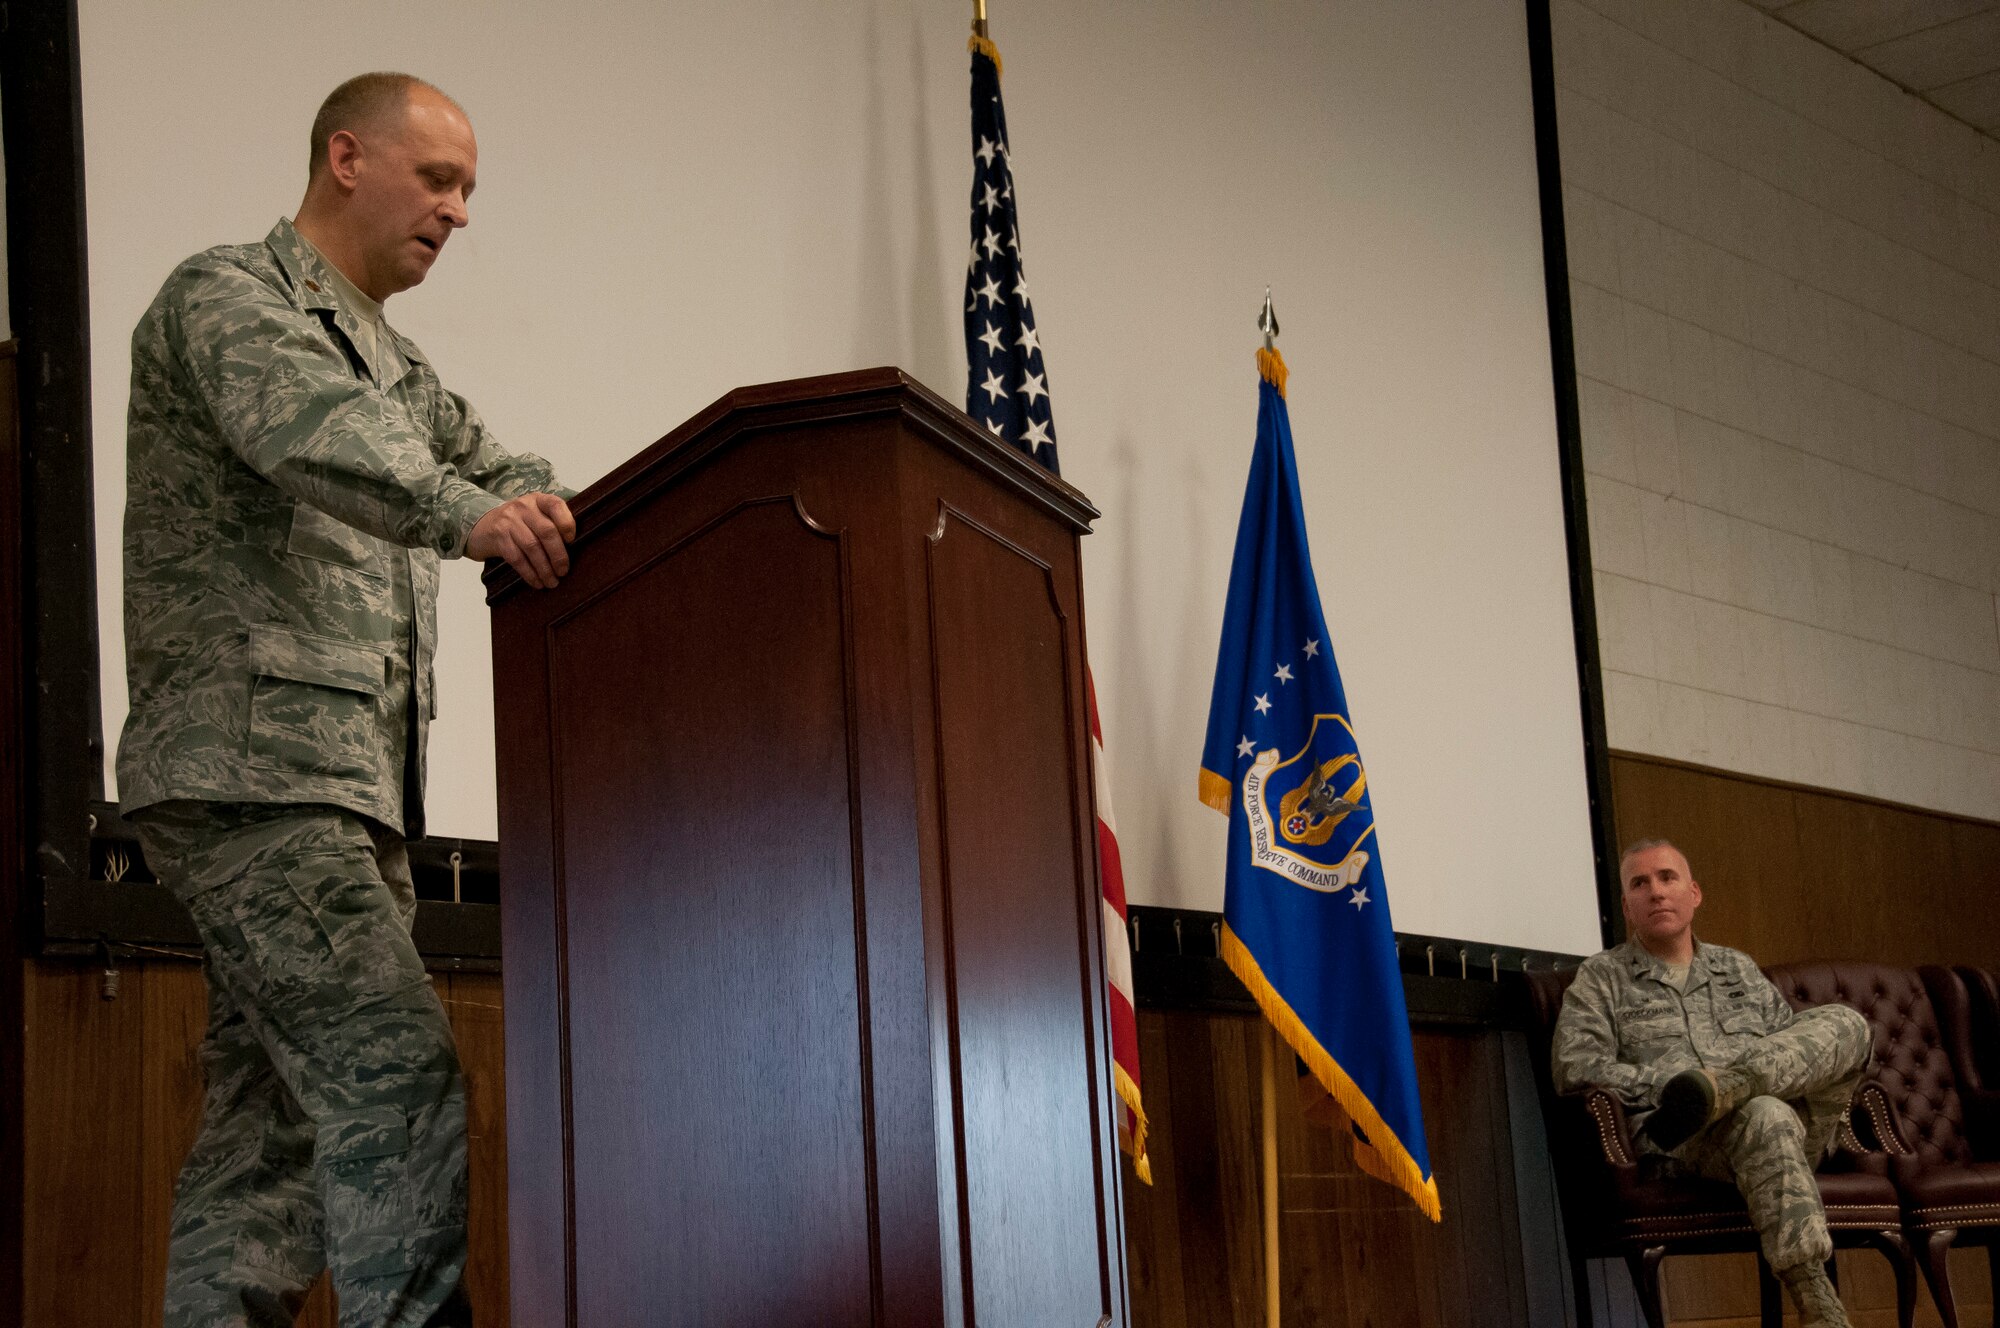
{"x":1972,"y":1040}
{"x":1913,"y":1107}
{"x":1615,"y":1204}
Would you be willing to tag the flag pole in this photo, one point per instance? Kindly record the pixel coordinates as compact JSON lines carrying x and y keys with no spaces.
{"x":1267,"y":323}
{"x":1271,"y":1311}
{"x":979,"y":18}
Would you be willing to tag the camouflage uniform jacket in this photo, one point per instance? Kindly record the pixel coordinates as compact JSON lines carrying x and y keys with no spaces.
{"x":286,"y":506}
{"x":1625,"y":1028}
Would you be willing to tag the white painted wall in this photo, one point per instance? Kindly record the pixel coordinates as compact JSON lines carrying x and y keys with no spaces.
{"x":1787,"y":302}
{"x":676,"y":200}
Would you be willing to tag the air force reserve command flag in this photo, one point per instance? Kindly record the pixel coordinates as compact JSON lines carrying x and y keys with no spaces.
{"x":1306,"y":920}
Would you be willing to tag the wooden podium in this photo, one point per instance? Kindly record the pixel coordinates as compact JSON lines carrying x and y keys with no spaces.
{"x":806,"y":1017}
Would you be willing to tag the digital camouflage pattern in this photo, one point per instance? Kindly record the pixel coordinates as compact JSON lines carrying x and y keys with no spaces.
{"x":286,"y":505}
{"x":288,"y":499}
{"x":1788,"y":1077}
{"x":333,"y":1128}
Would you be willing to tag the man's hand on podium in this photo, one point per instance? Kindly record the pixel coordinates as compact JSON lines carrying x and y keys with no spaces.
{"x":529,"y":532}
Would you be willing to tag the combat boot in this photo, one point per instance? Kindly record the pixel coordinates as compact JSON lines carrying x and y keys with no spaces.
{"x":1812,"y":1291}
{"x":1695,"y":1099}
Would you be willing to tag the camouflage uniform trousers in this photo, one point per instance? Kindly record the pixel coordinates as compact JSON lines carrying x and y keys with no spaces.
{"x":333,"y":1130}
{"x":1805,"y":1076}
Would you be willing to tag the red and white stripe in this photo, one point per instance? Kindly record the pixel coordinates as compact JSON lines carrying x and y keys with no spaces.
{"x":1117,"y":957}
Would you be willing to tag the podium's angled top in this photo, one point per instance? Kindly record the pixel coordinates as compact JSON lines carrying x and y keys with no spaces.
{"x":768,"y":406}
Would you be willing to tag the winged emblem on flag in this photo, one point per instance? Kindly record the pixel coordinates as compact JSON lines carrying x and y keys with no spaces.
{"x":1311,"y":811}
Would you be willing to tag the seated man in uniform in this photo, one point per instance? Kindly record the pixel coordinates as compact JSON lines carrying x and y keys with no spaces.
{"x":1719,"y":1076}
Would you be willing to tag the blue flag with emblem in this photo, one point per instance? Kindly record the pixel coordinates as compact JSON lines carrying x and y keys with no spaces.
{"x":1306,"y":919}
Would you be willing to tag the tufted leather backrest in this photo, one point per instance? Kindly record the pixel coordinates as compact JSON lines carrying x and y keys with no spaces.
{"x":1954,"y":1015}
{"x":1910,"y":1061}
{"x":1574,"y":1147}
{"x":1982,"y":992}
{"x":1545,"y":998}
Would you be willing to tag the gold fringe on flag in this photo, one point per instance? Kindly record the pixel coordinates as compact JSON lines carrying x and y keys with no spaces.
{"x":1128,"y":1093}
{"x":1383,"y":1156}
{"x":1271,"y":367}
{"x":1215,"y":790}
{"x":984,"y":46}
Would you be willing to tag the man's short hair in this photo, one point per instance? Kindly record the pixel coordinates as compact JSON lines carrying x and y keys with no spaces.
{"x":1642,"y":845}
{"x":364,"y":100}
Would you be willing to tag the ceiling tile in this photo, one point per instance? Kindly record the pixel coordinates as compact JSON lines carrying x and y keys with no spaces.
{"x":1975,"y":100}
{"x":1944,"y":54}
{"x":1847,"y":25}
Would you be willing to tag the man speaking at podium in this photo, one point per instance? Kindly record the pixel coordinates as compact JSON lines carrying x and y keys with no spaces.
{"x":295,"y":471}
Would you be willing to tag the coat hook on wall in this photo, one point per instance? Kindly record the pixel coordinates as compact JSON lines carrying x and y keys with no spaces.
{"x":108,"y":985}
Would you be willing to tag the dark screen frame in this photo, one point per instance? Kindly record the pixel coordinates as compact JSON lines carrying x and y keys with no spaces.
{"x":64,"y":901}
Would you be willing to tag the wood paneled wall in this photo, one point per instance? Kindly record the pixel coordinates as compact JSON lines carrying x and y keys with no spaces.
{"x":1352,"y":1251}
{"x":113,"y":1100}
{"x":1791,"y":873}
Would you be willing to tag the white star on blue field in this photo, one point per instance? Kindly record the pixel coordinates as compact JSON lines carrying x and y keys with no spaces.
{"x":1006,"y":381}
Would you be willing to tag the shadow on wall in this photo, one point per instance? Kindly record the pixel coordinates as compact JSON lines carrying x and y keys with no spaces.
{"x":919,"y":338}
{"x":932,"y":327}
{"x":875,"y":311}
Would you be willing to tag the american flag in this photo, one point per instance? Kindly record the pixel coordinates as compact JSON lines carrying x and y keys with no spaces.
{"x":1006,"y":388}
{"x":1006,"y":382}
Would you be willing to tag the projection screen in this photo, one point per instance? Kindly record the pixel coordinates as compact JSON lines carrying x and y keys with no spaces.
{"x":677,"y":200}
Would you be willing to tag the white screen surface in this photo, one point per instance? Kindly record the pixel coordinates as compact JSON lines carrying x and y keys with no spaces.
{"x":678,"y":200}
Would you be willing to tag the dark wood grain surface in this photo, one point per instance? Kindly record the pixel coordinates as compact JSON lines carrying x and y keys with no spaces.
{"x":114,"y":1103}
{"x":84,"y":1221}
{"x":804,"y":994}
{"x":1352,"y":1250}
{"x":716,"y":1084}
{"x":473,"y":1001}
{"x":1018,"y":937}
{"x":173,"y":1015}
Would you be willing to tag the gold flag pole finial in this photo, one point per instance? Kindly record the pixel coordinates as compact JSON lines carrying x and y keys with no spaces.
{"x":980,"y":42}
{"x":1269,"y":363}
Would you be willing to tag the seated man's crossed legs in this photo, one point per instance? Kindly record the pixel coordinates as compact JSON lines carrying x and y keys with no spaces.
{"x":1764,"y":1123}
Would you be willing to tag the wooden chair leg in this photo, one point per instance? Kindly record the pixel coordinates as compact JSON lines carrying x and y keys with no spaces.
{"x":1645,"y":1268}
{"x":1904,"y":1264}
{"x":1770,"y":1296}
{"x":1937,"y":1272}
